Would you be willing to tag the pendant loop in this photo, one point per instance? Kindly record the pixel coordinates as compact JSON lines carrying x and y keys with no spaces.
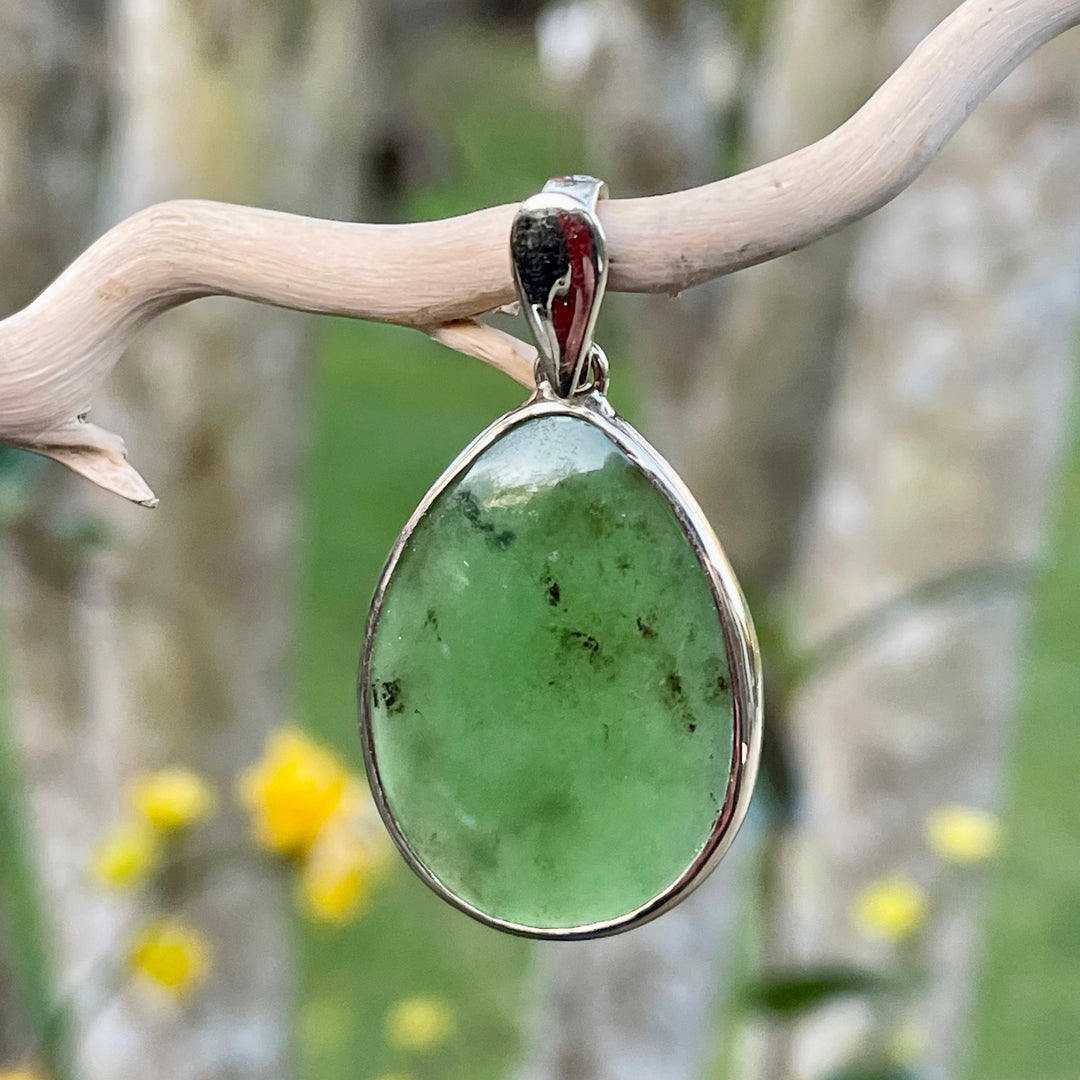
{"x":559,"y":255}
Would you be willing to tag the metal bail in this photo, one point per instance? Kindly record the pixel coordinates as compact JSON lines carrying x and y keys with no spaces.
{"x":559,"y":255}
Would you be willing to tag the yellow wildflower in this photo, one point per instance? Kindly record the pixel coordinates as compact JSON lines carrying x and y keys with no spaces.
{"x":962,"y":834}
{"x":892,"y":908}
{"x":336,"y":877}
{"x":172,"y":799}
{"x":349,"y":852}
{"x":172,"y":956}
{"x":22,"y":1072}
{"x":419,"y":1024}
{"x":126,"y":855}
{"x":291,"y":791}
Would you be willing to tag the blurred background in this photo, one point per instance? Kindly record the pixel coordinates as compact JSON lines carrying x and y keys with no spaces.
{"x":880,"y":428}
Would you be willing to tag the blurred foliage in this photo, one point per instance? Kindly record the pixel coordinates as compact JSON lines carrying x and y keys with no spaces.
{"x":789,"y":994}
{"x":21,"y":925}
{"x":903,"y":916}
{"x":18,"y":471}
{"x":885,"y":1071}
{"x":749,"y":22}
{"x":481,"y":107}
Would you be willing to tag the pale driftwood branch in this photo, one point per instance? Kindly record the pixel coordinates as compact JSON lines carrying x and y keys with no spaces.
{"x":438,"y":276}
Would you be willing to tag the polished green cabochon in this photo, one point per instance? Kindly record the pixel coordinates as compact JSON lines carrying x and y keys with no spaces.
{"x":550,"y":704}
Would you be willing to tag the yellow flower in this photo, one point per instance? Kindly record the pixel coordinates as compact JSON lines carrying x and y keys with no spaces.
{"x":419,"y":1024}
{"x":336,"y":877}
{"x":126,"y":855}
{"x":291,"y":791}
{"x":172,"y":956}
{"x":172,"y":799}
{"x":23,"y":1072}
{"x":892,"y":908}
{"x":348,"y":854}
{"x":962,"y":834}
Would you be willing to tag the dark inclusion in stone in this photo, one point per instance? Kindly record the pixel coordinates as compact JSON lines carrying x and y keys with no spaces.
{"x":567,"y":741}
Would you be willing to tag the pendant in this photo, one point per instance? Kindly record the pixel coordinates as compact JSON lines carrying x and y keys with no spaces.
{"x":560,"y":688}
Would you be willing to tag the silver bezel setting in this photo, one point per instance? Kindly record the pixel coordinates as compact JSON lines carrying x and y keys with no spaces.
{"x":740,"y":642}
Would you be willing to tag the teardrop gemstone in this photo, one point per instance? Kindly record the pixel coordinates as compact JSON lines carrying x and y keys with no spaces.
{"x":551,"y":717}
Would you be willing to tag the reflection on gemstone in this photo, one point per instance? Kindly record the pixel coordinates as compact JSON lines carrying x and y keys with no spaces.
{"x":557,"y":745}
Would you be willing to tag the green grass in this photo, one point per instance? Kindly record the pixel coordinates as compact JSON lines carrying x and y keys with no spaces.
{"x":1028,"y":998}
{"x":496,"y":135}
{"x":21,"y":927}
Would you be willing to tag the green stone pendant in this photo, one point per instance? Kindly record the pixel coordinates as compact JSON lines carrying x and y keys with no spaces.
{"x":560,"y":690}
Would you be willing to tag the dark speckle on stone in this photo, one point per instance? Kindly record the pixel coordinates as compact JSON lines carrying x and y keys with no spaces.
{"x":579,"y":637}
{"x":675,"y":696}
{"x":645,"y":629}
{"x":718,"y":685}
{"x":390,"y":692}
{"x":597,"y":520}
{"x":432,"y":620}
{"x":623,"y":563}
{"x":482,"y":852}
{"x":577,"y":641}
{"x":555,"y":806}
{"x":470,"y":508}
{"x":554,"y":594}
{"x":675,"y":687}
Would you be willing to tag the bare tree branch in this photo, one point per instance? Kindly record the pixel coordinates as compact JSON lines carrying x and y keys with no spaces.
{"x":55,"y":352}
